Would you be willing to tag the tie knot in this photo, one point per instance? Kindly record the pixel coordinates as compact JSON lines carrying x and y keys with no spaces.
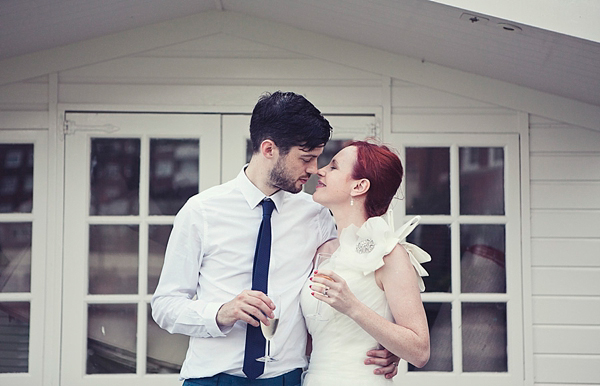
{"x":268,"y":207}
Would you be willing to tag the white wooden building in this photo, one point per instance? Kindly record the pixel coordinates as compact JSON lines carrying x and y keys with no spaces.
{"x":98,"y":136}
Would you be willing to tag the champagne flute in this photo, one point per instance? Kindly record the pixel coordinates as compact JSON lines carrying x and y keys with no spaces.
{"x":269,"y":331}
{"x":321,"y":259}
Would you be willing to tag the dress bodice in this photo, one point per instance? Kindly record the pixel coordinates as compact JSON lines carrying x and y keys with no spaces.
{"x":339,"y":344}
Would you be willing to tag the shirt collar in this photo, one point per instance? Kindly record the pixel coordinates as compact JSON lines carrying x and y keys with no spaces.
{"x":253,"y":195}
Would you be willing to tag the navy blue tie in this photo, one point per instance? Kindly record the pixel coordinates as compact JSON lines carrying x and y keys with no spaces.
{"x":255,"y":341}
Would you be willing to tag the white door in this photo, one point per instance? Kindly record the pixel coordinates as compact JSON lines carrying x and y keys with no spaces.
{"x":466,"y":189}
{"x":126,"y":176}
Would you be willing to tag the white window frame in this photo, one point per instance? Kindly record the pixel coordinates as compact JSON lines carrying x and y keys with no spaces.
{"x":512,"y":220}
{"x":82,"y":127}
{"x":38,"y":219}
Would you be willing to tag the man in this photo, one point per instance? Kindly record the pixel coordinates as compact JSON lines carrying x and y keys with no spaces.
{"x":213,"y":248}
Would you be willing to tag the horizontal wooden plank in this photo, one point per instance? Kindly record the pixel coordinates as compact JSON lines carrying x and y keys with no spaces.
{"x":565,"y":224}
{"x":23,"y":120}
{"x":566,"y":281}
{"x":565,"y":252}
{"x":24,"y":93}
{"x":565,"y":195}
{"x":567,"y":369}
{"x":566,"y":310}
{"x":566,"y":340}
{"x":565,"y":167}
{"x":447,"y":120}
{"x":564,"y":139}
{"x":131,"y":68}
{"x":243,"y":98}
{"x":410,"y":95}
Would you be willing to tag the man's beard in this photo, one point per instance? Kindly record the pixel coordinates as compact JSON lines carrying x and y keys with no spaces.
{"x":279,"y":178}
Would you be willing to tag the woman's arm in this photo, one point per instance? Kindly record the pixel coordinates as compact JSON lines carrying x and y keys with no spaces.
{"x":408,"y":337}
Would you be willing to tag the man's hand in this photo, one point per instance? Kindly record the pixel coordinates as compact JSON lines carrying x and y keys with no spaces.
{"x":387,"y":362}
{"x":249,"y":306}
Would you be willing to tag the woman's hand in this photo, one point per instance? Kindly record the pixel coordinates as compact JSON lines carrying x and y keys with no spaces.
{"x":335,"y":291}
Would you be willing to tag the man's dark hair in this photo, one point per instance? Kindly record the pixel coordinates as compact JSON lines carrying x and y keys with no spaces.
{"x":288,"y":119}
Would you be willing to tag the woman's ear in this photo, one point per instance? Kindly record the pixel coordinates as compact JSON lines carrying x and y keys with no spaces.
{"x":268,"y":149}
{"x":360,"y":187}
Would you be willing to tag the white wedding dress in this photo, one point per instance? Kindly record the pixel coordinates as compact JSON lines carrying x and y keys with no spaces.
{"x":339,"y":345}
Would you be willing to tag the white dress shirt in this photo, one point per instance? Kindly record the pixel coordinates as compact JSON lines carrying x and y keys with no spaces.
{"x":210,"y":255}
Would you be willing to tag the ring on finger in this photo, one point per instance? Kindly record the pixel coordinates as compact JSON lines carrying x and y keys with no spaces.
{"x":325,"y":291}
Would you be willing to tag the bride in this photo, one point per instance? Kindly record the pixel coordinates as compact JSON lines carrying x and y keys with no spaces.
{"x":371,"y":292}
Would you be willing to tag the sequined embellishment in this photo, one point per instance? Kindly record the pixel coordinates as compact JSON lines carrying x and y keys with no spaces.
{"x":365,"y":246}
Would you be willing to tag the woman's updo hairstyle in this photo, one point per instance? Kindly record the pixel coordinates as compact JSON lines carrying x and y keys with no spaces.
{"x":382,"y":167}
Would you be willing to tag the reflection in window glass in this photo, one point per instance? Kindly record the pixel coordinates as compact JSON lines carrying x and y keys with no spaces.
{"x":158,"y":235}
{"x":111,"y":345}
{"x":15,"y":257}
{"x":439,"y":319}
{"x":16,"y":178}
{"x":484,"y":337}
{"x":14,"y":337}
{"x":113,"y":259}
{"x":435,"y":239}
{"x":482,"y":264}
{"x":174,"y":174}
{"x":481,"y":180}
{"x":166,"y":352}
{"x":427,"y":180}
{"x":115,"y":176}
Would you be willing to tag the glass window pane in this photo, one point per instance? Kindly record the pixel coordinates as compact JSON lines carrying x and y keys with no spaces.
{"x":439,"y":319}
{"x":174,"y":174}
{"x":14,"y":337}
{"x":115,"y":176}
{"x":435,"y":239}
{"x":484,"y":337}
{"x":113,"y":259}
{"x":111,"y":341}
{"x":482,"y":249}
{"x":158,"y":235}
{"x":15,"y":257}
{"x":16,"y":178}
{"x":166,"y":352}
{"x":427,"y":180}
{"x":481,"y":180}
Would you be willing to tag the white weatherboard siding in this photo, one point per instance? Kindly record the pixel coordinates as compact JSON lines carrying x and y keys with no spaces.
{"x":565,"y":247}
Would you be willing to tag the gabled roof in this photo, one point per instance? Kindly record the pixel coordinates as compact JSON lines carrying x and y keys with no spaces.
{"x":413,"y":40}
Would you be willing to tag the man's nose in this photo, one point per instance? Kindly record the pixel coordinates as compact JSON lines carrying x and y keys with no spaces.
{"x":312,"y":167}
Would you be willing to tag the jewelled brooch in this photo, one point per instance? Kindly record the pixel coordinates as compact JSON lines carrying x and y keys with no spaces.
{"x":365,"y":246}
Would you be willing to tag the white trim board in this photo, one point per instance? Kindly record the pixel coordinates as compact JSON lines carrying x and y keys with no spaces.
{"x":303,"y":42}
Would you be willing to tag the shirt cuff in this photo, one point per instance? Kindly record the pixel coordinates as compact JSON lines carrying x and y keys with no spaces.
{"x":209,"y":314}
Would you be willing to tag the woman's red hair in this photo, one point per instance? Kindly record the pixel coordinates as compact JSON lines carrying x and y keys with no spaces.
{"x":382,"y":167}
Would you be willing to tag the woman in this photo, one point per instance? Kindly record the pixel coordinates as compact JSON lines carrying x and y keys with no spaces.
{"x":374,"y":283}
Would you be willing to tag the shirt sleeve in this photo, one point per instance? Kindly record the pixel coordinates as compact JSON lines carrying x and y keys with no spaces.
{"x":173,"y":305}
{"x":327,"y":227}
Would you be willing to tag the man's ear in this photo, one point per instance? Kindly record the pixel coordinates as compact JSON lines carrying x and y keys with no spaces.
{"x":268,"y":149}
{"x":360,"y":187}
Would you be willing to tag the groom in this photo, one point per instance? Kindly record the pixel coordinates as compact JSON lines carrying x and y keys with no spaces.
{"x":209,"y":287}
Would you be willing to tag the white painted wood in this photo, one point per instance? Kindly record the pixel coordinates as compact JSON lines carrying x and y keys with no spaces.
{"x":565,"y":195}
{"x":407,"y":95}
{"x":145,"y":126}
{"x":565,"y":252}
{"x":237,"y":97}
{"x":567,"y":369}
{"x":37,"y":295}
{"x":566,"y":310}
{"x":564,"y":138}
{"x":432,"y":121}
{"x":566,"y":281}
{"x":19,"y":120}
{"x":565,"y":167}
{"x":565,"y":224}
{"x":567,"y":340}
{"x":23,"y":92}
